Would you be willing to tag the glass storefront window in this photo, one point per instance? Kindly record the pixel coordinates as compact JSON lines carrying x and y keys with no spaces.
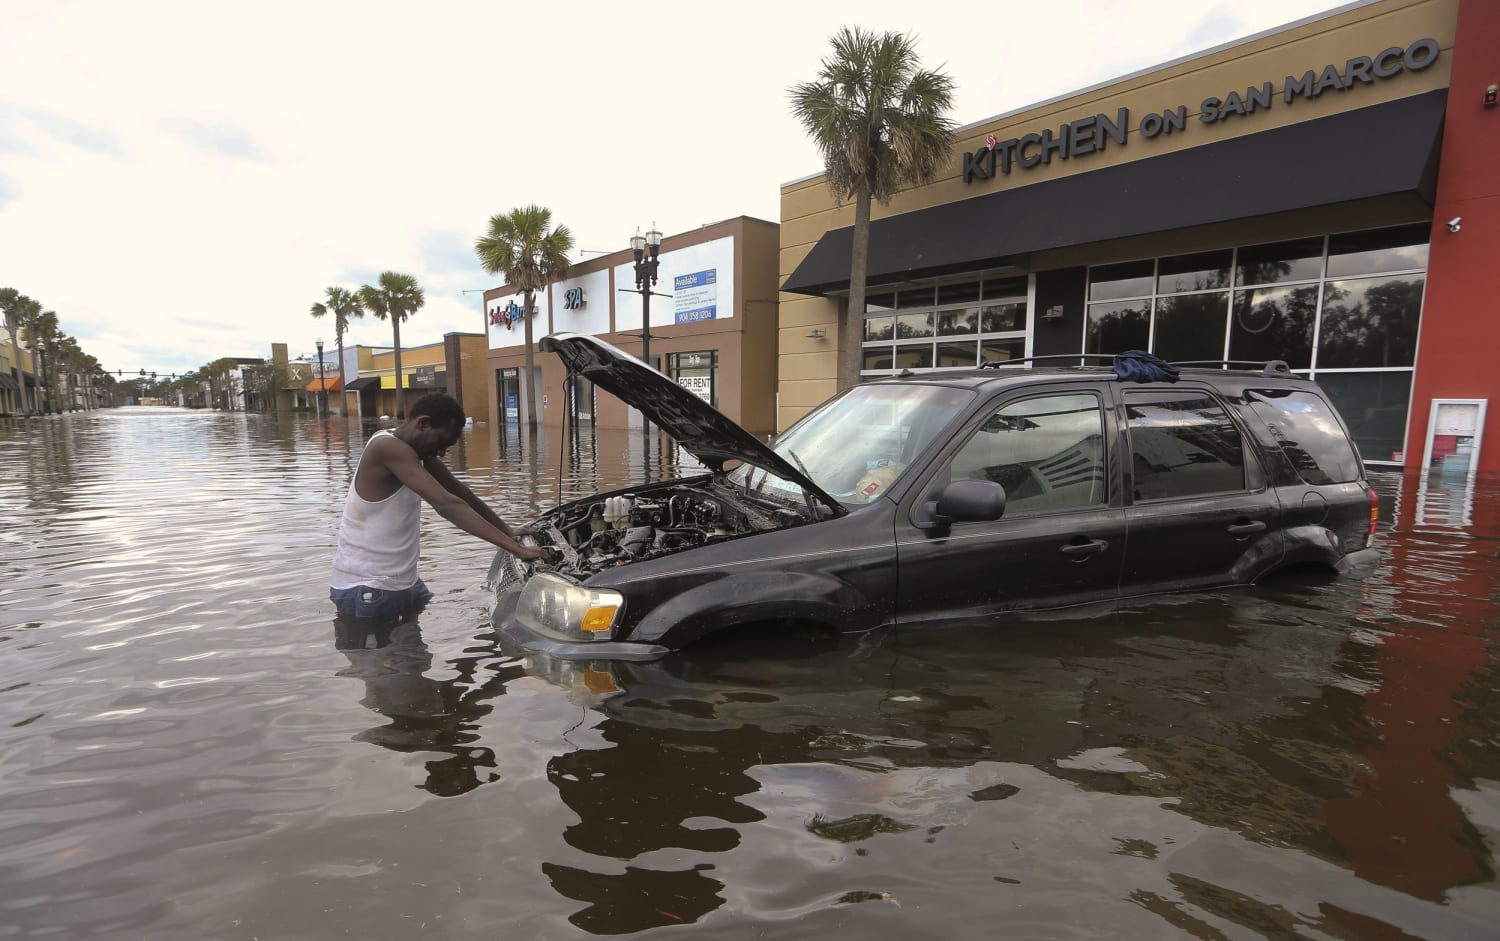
{"x":953,"y":355}
{"x":1191,"y":326}
{"x":1370,"y":322}
{"x":916,"y":297}
{"x":1359,"y":292}
{"x":1113,"y":328}
{"x":914,"y":357}
{"x":1204,"y":271}
{"x":957,"y":322}
{"x":1356,"y":253}
{"x":965,"y":293}
{"x":1274,"y":323}
{"x":911,"y":326}
{"x":1131,"y":279}
{"x":1000,"y":289}
{"x":1001,"y":351}
{"x":1300,"y":260}
{"x":1375,"y":406}
{"x":998,"y":318}
{"x":978,"y":321}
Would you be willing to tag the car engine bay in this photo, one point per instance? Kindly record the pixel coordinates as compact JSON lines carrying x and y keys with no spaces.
{"x":603,"y":532}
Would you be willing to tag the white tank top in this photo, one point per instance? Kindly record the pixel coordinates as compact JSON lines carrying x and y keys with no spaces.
{"x":378,"y":544}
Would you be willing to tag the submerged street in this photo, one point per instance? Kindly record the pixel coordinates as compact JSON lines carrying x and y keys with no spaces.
{"x":188,"y":749}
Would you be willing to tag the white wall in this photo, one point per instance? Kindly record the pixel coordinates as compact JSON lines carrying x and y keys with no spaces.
{"x":716,"y":256}
{"x":593,"y":316}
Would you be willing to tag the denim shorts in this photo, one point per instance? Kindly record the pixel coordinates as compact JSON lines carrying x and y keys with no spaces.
{"x":381,"y":605}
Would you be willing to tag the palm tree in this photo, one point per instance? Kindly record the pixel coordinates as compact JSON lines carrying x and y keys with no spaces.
{"x":880,"y":121}
{"x":41,"y":333}
{"x":523,"y":246}
{"x":397,"y":298}
{"x":342,"y":304}
{"x":19,"y":310}
{"x":68,"y":356}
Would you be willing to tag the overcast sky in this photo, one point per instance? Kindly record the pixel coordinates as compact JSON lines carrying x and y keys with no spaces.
{"x":181,"y":181}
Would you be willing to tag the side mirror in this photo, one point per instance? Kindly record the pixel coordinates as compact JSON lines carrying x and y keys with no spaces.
{"x":963,"y":501}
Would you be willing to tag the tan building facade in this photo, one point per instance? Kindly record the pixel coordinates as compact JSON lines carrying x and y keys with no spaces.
{"x":713,"y":328}
{"x":454,"y":365}
{"x":1278,"y":197}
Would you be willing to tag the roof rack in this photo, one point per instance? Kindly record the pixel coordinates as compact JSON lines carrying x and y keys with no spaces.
{"x":1268,"y":366}
{"x":997,"y":364}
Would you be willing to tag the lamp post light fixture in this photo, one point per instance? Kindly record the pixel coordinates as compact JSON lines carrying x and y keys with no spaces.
{"x":646,"y":248}
{"x":322,"y":384}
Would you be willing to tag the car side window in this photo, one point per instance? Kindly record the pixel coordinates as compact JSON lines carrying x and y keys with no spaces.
{"x":1047,"y":452}
{"x":1182,"y":444}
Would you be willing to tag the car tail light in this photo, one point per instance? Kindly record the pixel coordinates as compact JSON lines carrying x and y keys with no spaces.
{"x":1374,"y":516}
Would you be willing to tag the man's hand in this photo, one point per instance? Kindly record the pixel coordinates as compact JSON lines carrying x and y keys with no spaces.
{"x":540,"y":553}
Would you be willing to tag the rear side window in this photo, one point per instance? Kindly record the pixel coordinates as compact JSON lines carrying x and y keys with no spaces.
{"x":1182,"y":444}
{"x":1309,"y":434}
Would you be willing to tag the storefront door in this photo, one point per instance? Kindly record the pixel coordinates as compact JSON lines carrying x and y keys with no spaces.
{"x":508,"y":381}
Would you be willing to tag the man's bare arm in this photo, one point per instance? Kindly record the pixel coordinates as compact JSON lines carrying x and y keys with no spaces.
{"x":402,"y":461}
{"x":458,"y":488}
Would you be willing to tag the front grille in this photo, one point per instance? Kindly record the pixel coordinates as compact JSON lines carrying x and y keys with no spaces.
{"x":507,"y":573}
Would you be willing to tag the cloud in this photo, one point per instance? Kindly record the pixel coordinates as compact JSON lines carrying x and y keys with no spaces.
{"x":183,"y":184}
{"x":216,"y":139}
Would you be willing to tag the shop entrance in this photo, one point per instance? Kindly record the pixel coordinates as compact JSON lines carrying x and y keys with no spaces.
{"x":508,"y":382}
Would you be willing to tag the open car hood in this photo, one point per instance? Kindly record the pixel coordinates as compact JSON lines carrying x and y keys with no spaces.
{"x":705,"y":432}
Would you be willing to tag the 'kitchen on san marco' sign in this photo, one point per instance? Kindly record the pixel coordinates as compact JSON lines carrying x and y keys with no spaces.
{"x":1323,"y":193}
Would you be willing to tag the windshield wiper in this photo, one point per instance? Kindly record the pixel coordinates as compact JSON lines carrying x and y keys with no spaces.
{"x":812,"y":506}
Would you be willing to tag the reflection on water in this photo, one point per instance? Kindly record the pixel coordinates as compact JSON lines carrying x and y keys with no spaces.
{"x":192,"y":746}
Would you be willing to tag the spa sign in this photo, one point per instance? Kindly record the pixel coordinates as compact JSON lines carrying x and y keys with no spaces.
{"x":1088,"y":135}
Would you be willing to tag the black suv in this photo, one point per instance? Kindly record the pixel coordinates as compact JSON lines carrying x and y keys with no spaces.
{"x":943,"y":495}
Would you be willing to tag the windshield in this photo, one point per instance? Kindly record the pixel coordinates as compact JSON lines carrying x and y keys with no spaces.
{"x":856,"y":446}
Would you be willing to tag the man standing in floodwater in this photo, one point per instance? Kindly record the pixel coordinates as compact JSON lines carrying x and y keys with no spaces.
{"x":375,"y":566}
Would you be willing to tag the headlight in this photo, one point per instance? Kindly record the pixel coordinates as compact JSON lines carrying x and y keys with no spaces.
{"x":559,"y":608}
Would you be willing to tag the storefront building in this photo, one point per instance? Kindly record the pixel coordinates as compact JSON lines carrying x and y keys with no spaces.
{"x":1320,"y":194}
{"x":453,"y":365}
{"x":713,"y":328}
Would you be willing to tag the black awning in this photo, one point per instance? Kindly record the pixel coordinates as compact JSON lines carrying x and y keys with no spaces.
{"x":6,"y":382}
{"x":1381,"y":150}
{"x":366,"y":382}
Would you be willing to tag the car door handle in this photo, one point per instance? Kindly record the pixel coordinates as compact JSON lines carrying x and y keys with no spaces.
{"x":1082,"y":550}
{"x":1246,"y":527}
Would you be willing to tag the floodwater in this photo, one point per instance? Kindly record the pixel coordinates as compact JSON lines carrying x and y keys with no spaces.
{"x":188,"y":752}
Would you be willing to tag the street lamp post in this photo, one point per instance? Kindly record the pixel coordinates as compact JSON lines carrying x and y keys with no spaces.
{"x":646,"y":248}
{"x":322,"y":384}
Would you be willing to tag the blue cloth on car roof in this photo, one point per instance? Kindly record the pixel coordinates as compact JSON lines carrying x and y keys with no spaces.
{"x":1140,"y":366}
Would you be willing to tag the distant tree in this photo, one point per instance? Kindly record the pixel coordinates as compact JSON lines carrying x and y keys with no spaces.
{"x":523,"y":246}
{"x":18,"y":310}
{"x":342,"y":304}
{"x":397,"y":297}
{"x":41,"y":336}
{"x":880,"y":122}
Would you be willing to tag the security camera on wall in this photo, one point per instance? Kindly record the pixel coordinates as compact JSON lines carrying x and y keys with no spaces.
{"x":1455,"y":224}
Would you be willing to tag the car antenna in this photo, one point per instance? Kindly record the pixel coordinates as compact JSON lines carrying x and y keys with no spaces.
{"x":562,"y":445}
